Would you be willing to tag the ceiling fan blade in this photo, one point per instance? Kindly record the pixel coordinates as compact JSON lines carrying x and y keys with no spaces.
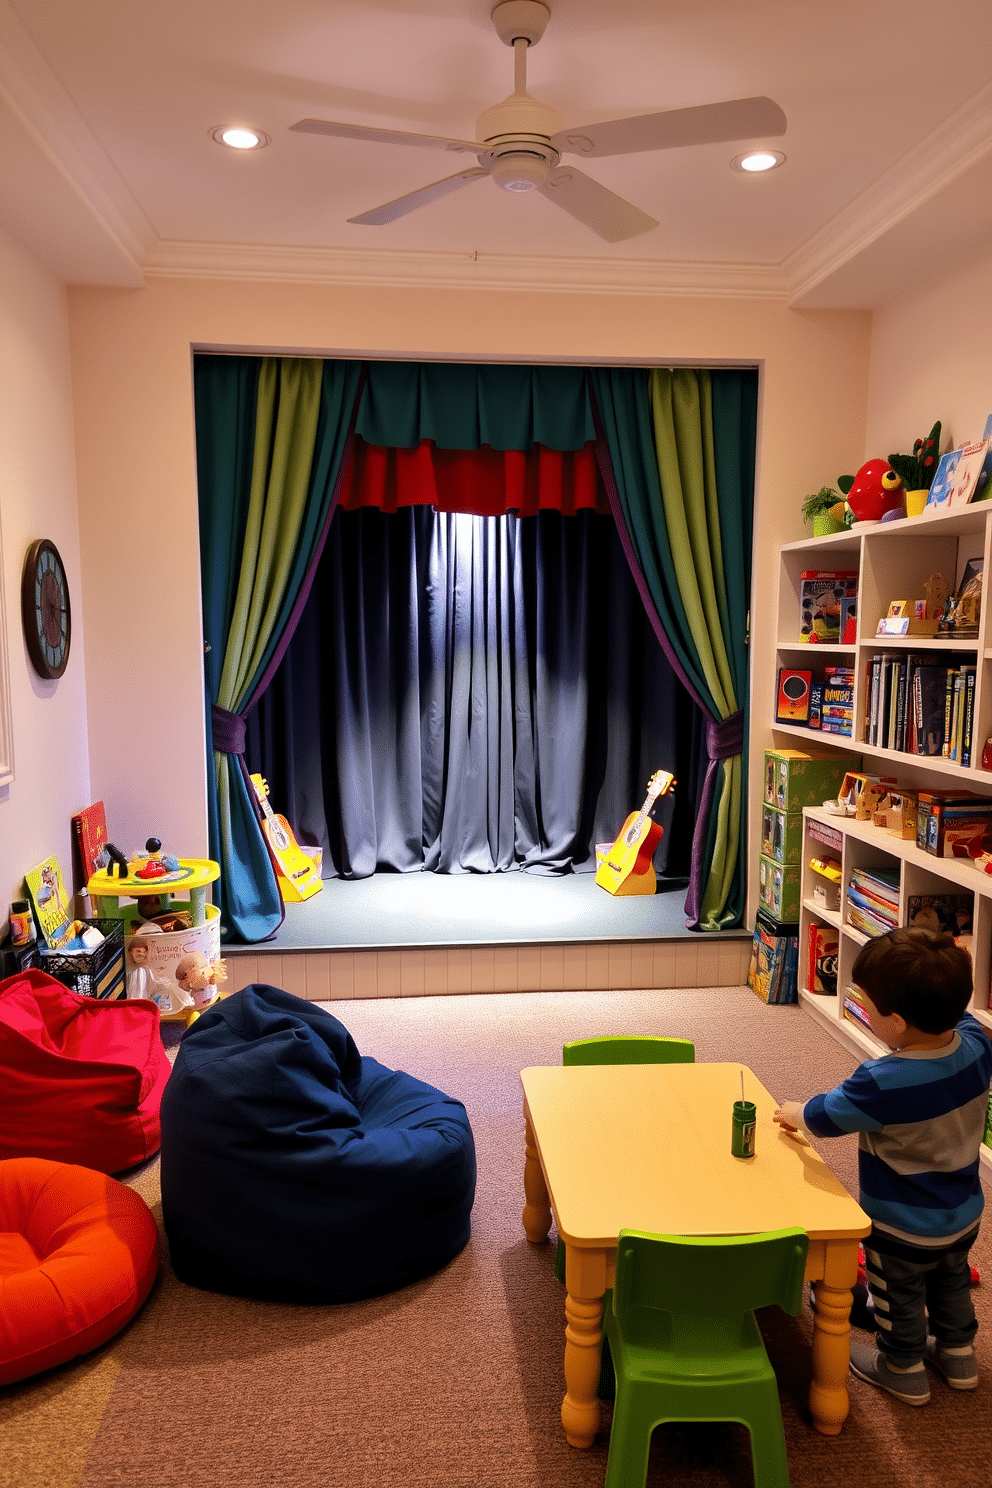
{"x":585,"y":199}
{"x":384,"y":136}
{"x":703,"y":124}
{"x":389,"y":211}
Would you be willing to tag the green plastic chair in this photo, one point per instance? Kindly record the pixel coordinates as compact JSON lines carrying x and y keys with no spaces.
{"x":686,"y":1345}
{"x":629,"y":1049}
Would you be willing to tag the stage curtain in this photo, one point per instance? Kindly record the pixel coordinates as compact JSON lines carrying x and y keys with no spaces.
{"x":681,"y":489}
{"x":271,"y":438}
{"x":488,"y":695}
{"x":482,"y":482}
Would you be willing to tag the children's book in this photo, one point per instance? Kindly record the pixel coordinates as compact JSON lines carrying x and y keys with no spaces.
{"x":942,"y":484}
{"x":968,"y":472}
{"x":90,"y":832}
{"x":52,"y":907}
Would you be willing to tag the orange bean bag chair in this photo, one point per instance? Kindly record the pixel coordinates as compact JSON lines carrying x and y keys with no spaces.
{"x":78,"y":1256}
{"x":82,"y":1080}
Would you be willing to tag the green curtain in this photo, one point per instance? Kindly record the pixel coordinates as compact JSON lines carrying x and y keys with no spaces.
{"x":262,"y":526}
{"x":708,"y":522}
{"x":679,"y":468}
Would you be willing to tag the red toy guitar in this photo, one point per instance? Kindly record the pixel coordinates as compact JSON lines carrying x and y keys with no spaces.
{"x":627,"y":867}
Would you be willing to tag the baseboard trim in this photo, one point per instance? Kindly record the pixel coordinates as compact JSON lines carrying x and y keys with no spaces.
{"x":327,"y":976}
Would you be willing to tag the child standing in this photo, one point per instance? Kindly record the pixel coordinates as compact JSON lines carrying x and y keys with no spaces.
{"x":920,"y":1115}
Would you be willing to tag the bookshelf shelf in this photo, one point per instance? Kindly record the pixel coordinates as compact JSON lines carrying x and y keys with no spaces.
{"x":893,"y":561}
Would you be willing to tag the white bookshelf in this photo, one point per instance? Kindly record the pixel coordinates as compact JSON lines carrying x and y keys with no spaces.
{"x":893,"y":560}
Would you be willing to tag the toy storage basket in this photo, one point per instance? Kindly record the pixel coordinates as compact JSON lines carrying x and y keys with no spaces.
{"x":97,"y":973}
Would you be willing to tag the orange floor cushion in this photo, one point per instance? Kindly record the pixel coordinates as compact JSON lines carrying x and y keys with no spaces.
{"x":78,"y":1255}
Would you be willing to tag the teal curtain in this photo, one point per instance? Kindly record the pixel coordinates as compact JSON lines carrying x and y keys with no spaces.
{"x":681,"y":444}
{"x":271,"y":437}
{"x":461,"y":406}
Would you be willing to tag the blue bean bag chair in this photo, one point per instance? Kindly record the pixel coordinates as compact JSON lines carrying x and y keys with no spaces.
{"x":295,"y":1170}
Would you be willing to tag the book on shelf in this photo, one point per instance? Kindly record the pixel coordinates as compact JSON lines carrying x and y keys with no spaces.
{"x":821,"y":591}
{"x":821,"y":971}
{"x":52,"y":908}
{"x":868,"y":924}
{"x":854,"y":1008}
{"x":873,"y":904}
{"x":89,"y":828}
{"x":884,"y":882}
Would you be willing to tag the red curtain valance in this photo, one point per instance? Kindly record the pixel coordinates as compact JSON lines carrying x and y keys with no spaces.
{"x":484,"y":481}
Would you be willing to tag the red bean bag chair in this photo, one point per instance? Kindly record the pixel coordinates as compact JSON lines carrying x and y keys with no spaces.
{"x":82,"y":1080}
{"x":78,"y":1256}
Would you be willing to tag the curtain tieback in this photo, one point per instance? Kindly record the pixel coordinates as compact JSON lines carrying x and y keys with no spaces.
{"x":725,"y":739}
{"x":228,"y":730}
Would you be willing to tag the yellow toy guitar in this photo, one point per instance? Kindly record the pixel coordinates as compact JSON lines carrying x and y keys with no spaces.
{"x":296,"y":871}
{"x":627,"y":867}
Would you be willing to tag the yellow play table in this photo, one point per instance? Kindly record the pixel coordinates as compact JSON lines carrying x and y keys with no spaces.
{"x":647,"y":1147}
{"x":191,"y":878}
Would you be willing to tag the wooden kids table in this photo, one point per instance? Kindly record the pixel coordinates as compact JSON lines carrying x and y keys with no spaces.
{"x":647,"y":1147}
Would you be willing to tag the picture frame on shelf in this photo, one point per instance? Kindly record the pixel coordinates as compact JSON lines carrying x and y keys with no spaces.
{"x":964,"y":608}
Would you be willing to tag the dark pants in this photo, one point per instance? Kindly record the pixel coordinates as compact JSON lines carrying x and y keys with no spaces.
{"x":911,"y":1284}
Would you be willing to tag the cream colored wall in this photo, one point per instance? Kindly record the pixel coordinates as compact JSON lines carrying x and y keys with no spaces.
{"x":135,"y":451}
{"x":930,"y":360}
{"x":38,"y":499}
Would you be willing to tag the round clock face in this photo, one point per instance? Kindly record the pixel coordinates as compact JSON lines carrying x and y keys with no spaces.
{"x":45,"y":609}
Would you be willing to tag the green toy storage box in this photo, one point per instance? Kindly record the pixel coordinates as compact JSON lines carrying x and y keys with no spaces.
{"x":778,"y":888}
{"x":795,"y":778}
{"x":781,"y":835}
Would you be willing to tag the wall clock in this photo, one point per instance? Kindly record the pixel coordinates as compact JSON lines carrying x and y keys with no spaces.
{"x":45,"y":609}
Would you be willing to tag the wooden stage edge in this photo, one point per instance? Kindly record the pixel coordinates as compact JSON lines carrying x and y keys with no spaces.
{"x":430,"y":971}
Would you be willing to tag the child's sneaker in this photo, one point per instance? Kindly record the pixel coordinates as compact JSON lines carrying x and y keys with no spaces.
{"x":958,"y":1368}
{"x":868,"y":1364}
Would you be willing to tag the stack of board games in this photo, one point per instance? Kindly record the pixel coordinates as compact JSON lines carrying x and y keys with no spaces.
{"x":873,"y":900}
{"x":773,"y":972}
{"x":953,"y":823}
{"x":837,"y":709}
{"x":822,"y":592}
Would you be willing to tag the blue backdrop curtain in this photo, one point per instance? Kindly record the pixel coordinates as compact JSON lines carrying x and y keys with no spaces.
{"x":475,"y":694}
{"x":678,"y":462}
{"x":271,"y":439}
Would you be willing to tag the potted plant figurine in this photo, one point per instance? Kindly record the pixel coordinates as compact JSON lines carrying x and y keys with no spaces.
{"x":823,"y":509}
{"x":918,"y":469}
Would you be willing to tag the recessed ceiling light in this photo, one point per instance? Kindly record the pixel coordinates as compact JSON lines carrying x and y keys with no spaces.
{"x":755,"y":161}
{"x":239,"y":138}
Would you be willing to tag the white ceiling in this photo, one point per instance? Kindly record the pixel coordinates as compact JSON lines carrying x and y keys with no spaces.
{"x":108,"y":171}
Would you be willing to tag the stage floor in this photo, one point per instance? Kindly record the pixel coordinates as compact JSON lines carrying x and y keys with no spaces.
{"x":406,"y":910}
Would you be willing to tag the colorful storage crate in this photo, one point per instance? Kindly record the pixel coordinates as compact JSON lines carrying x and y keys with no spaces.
{"x":795,"y":778}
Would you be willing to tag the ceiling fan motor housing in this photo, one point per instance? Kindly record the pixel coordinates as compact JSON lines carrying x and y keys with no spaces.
{"x":518,"y":132}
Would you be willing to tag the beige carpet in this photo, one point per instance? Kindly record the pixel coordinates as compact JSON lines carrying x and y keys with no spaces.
{"x":456,"y":1382}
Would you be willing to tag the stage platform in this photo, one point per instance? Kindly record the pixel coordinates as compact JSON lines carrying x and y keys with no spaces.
{"x":418,"y":934}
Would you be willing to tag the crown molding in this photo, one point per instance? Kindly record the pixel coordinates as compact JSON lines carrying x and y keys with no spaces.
{"x":949,"y":151}
{"x":415,"y":270}
{"x":43,"y":108}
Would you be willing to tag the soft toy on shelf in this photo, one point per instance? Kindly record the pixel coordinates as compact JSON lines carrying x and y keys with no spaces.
{"x":875,"y":493}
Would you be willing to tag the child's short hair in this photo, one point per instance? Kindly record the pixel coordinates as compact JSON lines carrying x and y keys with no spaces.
{"x":919,"y":974}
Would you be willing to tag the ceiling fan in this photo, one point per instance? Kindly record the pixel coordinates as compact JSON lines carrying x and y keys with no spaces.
{"x":520,"y":141}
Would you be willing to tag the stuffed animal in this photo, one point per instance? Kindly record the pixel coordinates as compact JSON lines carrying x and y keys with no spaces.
{"x":875,"y":493}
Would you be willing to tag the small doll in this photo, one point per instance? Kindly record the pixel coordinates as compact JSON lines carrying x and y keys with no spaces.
{"x":144,"y":981}
{"x":198,"y":977}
